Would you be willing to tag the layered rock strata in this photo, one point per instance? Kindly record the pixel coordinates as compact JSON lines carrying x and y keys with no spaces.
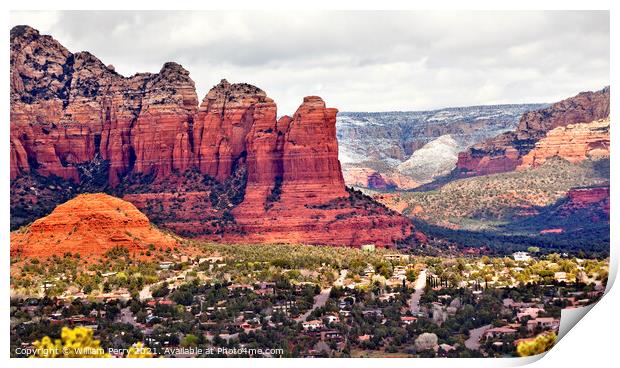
{"x":226,"y":169}
{"x":574,"y":143}
{"x":506,"y":151}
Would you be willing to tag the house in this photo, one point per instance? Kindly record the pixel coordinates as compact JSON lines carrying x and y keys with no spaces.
{"x":213,"y":309}
{"x":396,"y":257}
{"x":582,"y":302}
{"x":499,"y":332}
{"x":332,"y":318}
{"x":368,"y":247}
{"x":544,"y":323}
{"x":212,"y":259}
{"x":313,"y":353}
{"x":372,"y":313}
{"x":388,"y":297}
{"x":240,"y":287}
{"x":400,"y":270}
{"x":521,"y":256}
{"x":363,"y":338}
{"x":264,"y":291}
{"x":265,"y":288}
{"x":154,"y":302}
{"x":369,"y":271}
{"x":509,"y":303}
{"x":445,"y":347}
{"x":344,"y":312}
{"x":245,"y":325}
{"x":395,"y":281}
{"x":80,"y":319}
{"x":97,"y":313}
{"x":72,"y":295}
{"x":313,"y":325}
{"x":165,"y":265}
{"x":151,"y":318}
{"x":331,"y":335}
{"x":560,"y":276}
{"x":266,"y":285}
{"x":407,"y":320}
{"x":531,"y":312}
{"x":283,"y":308}
{"x":350,"y":284}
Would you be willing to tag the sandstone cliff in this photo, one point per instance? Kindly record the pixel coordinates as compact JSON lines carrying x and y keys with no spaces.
{"x":574,"y":143}
{"x":227,"y":169}
{"x":505,"y":152}
{"x":593,"y":198}
{"x":66,"y":109}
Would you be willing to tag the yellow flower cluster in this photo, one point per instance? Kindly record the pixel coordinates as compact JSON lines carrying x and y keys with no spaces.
{"x":539,"y":345}
{"x":73,"y":343}
{"x":138,"y":350}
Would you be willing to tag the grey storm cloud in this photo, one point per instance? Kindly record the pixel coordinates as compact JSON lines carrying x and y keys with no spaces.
{"x":355,"y":60}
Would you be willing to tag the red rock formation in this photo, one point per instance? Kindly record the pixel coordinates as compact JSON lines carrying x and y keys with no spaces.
{"x":226,"y":170}
{"x":226,"y":116}
{"x":586,"y":196}
{"x":505,"y":152}
{"x":310,"y":152}
{"x":574,"y":143}
{"x":551,"y":231}
{"x":68,"y":108}
{"x":89,"y":224}
{"x":593,"y":200}
{"x":305,"y":200}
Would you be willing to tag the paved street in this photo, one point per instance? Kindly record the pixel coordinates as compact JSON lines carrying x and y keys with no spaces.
{"x":420,"y":284}
{"x":321,"y":299}
{"x":473,"y":343}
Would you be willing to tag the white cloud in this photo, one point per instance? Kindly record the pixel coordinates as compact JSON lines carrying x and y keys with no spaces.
{"x":357,"y":61}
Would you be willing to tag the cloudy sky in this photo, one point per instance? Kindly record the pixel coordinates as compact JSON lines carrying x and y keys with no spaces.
{"x":357,"y":61}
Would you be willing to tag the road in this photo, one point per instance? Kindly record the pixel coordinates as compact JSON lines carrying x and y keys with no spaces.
{"x":420,"y":284}
{"x":145,"y":293}
{"x":321,"y":299}
{"x":473,"y":343}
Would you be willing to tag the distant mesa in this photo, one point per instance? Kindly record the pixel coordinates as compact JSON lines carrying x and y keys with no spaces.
{"x":412,"y":148}
{"x":511,"y":150}
{"x":574,"y":143}
{"x":89,"y":224}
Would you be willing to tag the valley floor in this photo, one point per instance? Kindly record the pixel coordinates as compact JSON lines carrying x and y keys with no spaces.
{"x":295,"y":300}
